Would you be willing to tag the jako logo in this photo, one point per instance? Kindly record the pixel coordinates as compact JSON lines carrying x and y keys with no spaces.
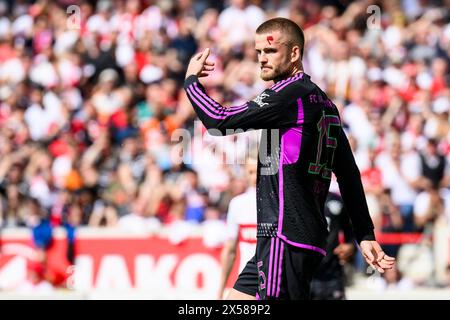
{"x":163,"y":277}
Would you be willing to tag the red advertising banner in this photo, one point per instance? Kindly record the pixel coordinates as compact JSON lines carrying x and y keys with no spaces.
{"x":120,"y":262}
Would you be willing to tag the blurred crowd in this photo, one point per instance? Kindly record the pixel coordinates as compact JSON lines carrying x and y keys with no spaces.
{"x":91,"y":99}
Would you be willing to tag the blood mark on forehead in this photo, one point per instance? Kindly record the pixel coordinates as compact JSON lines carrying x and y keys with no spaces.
{"x":269,"y":38}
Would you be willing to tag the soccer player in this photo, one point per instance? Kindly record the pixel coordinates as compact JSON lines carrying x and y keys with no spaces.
{"x":294,"y":178}
{"x":241,"y":224}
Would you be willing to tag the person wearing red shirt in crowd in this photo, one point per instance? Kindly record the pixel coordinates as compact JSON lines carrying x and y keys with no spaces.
{"x":372,"y":176}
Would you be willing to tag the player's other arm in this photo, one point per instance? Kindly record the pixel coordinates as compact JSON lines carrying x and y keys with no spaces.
{"x":350,"y":185}
{"x":270,"y":113}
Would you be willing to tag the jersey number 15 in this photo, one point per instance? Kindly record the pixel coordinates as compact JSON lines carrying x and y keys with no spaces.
{"x":324,"y":158}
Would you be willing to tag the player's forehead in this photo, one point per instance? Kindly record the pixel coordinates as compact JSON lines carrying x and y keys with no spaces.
{"x":269,"y":39}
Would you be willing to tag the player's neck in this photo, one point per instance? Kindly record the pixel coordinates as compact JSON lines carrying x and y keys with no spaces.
{"x":296,"y":70}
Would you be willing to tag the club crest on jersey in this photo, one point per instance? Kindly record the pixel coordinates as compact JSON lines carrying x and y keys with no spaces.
{"x":259,"y":99}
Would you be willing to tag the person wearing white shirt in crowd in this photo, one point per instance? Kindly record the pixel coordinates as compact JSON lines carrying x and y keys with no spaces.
{"x":238,"y":21}
{"x":392,"y":280}
{"x":430,"y":205}
{"x":241,"y":221}
{"x":138,"y":221}
{"x":401,"y":174}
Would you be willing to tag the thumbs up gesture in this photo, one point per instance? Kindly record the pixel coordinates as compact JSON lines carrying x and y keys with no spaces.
{"x":199,"y":66}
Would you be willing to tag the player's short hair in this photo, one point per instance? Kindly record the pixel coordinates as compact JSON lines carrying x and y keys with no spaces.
{"x":288,"y":28}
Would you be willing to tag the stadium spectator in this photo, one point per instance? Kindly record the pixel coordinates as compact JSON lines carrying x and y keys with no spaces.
{"x":428,"y":207}
{"x":393,"y":280}
{"x":433,"y":164}
{"x":138,"y":220}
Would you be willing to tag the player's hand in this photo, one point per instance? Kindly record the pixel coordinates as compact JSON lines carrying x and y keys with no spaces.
{"x":344,"y":252}
{"x":199,"y":66}
{"x":375,"y":256}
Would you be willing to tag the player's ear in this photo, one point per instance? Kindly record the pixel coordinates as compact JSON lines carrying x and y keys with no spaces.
{"x":295,"y":54}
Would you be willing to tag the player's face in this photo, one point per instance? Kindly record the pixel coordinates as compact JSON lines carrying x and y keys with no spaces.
{"x":274,"y":56}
